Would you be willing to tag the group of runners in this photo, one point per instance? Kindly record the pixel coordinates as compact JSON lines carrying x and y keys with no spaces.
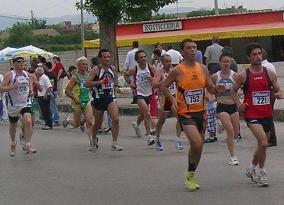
{"x":182,"y":91}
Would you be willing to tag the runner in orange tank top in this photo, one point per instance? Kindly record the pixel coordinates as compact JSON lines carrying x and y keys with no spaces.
{"x":191,"y":79}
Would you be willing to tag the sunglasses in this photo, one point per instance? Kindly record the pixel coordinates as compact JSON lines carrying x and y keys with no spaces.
{"x":20,"y":61}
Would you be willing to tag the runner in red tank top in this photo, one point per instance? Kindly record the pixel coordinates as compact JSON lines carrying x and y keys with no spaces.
{"x":257,"y":82}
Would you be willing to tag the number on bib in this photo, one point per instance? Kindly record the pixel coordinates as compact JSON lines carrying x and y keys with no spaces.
{"x":193,"y":96}
{"x":261,"y":98}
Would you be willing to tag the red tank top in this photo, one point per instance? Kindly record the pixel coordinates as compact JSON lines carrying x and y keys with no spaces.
{"x":257,"y":95}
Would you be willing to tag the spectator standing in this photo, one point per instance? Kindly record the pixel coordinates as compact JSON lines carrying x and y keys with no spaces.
{"x":212,"y":54}
{"x":199,"y":56}
{"x":44,"y":97}
{"x":53,"y":94}
{"x":1,"y":100}
{"x":130,"y":62}
{"x":59,"y":71}
{"x":175,"y":55}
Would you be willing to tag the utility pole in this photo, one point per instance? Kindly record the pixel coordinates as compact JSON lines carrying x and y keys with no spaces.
{"x":32,"y":17}
{"x":82,"y":27}
{"x":177,"y":8}
{"x":216,"y":7}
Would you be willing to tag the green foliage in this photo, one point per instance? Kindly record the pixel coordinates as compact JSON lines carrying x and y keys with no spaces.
{"x":163,"y":16}
{"x":112,"y":11}
{"x":203,"y":12}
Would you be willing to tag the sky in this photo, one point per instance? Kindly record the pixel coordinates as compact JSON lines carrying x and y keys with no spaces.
{"x":55,"y":8}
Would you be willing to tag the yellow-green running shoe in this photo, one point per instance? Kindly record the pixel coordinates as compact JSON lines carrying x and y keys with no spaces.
{"x":190,"y":181}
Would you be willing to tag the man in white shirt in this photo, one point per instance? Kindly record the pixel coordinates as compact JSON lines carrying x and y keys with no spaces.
{"x":44,"y":97}
{"x":175,"y":55}
{"x":272,"y":140}
{"x":130,"y":62}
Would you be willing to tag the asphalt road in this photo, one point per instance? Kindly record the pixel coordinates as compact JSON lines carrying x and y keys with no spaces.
{"x":64,"y":172}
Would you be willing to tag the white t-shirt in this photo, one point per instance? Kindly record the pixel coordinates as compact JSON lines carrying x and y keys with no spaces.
{"x":269,"y":66}
{"x":175,"y":56}
{"x":44,"y":84}
{"x":130,"y":61}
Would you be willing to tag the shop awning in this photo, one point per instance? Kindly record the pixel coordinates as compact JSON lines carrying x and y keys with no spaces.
{"x":254,"y":30}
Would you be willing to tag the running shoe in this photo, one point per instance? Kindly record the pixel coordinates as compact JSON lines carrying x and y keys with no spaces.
{"x":93,"y":144}
{"x":13,"y":149}
{"x":251,"y":175}
{"x":137,"y":129}
{"x":65,"y":123}
{"x":233,"y":161}
{"x":211,"y":139}
{"x":45,"y":127}
{"x":150,"y":140}
{"x":106,"y":130}
{"x":116,"y":147}
{"x":238,"y":139}
{"x":29,"y":149}
{"x":262,"y":180}
{"x":178,"y":145}
{"x":190,"y":181}
{"x":158,"y":145}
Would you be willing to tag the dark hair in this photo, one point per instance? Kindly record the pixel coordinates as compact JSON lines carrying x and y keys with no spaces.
{"x":157,"y":44}
{"x":57,"y":58}
{"x":252,"y":46}
{"x":41,"y":59}
{"x":17,"y":58}
{"x":103,"y":50}
{"x":228,"y":50}
{"x":137,"y":54}
{"x":224,"y":55}
{"x":185,"y":41}
{"x":95,"y":61}
{"x":71,"y":68}
{"x":48,"y":65}
{"x":169,"y":47}
{"x":157,"y":52}
{"x":135,"y":44}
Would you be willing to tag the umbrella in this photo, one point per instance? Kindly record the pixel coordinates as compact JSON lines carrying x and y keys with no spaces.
{"x":29,"y":51}
{"x":6,"y":50}
{"x":1,"y":58}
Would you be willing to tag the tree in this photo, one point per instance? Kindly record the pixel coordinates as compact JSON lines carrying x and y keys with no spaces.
{"x":110,"y":12}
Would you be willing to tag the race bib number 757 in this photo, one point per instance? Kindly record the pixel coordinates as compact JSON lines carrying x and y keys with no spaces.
{"x":261,"y":98}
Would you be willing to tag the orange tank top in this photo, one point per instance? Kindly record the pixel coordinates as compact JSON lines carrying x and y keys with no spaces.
{"x":190,"y":89}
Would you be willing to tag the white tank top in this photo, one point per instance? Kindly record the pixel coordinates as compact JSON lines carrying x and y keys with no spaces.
{"x":227,"y":82}
{"x":143,"y":85}
{"x":18,"y":98}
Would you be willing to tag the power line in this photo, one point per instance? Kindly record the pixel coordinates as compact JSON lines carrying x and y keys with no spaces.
{"x":15,"y":17}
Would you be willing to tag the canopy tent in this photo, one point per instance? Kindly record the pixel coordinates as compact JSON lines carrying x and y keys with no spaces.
{"x":6,"y":50}
{"x":242,"y":31}
{"x":27,"y":51}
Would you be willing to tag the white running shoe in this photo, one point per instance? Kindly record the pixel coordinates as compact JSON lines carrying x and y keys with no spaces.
{"x":93,"y":144}
{"x":137,"y":129}
{"x":150,"y":140}
{"x":116,"y":147}
{"x":251,"y":174}
{"x":178,"y":145}
{"x":262,"y":180}
{"x":233,"y":161}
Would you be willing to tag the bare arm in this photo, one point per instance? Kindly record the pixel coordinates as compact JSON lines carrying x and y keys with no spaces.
{"x":172,"y":77}
{"x":90,"y":83}
{"x":6,"y":85}
{"x":157,"y":79}
{"x":69,"y":89}
{"x":239,"y":80}
{"x":273,"y":78}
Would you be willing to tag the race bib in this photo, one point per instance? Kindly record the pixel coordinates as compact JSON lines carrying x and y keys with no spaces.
{"x":23,"y":89}
{"x":172,"y":89}
{"x":261,"y":98}
{"x":193,"y":96}
{"x":143,"y":77}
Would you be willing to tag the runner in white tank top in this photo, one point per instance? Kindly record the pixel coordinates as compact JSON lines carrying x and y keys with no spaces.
{"x":18,"y":85}
{"x":143,"y":77}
